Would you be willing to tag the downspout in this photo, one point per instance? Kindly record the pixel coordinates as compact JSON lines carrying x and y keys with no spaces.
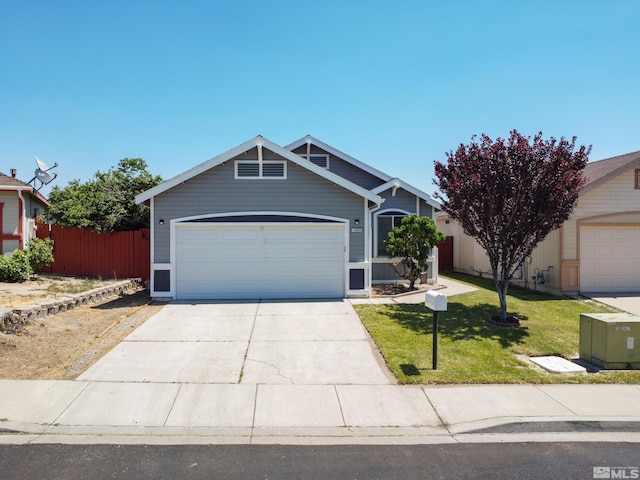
{"x":21,"y":220}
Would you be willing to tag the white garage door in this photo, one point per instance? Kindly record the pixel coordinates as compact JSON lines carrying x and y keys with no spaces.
{"x":610,"y":259}
{"x":218,"y":261}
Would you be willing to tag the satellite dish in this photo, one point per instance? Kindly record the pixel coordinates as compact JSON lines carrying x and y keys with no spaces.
{"x":44,"y":177}
{"x":41,"y":165}
{"x":42,"y":174}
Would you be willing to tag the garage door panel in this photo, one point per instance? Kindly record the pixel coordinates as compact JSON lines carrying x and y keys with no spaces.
{"x":280,"y":253}
{"x":264,"y":261}
{"x":234,"y":234}
{"x":610,"y":259}
{"x":328,"y":235}
{"x":241,"y":284}
{"x":324,"y":253}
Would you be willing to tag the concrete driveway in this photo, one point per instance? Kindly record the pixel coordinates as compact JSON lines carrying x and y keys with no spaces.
{"x":259,"y":342}
{"x":627,"y":302}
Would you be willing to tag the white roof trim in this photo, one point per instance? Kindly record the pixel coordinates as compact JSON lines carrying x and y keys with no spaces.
{"x":334,"y":151}
{"x":396,"y":182}
{"x":14,"y":188}
{"x":240,"y":149}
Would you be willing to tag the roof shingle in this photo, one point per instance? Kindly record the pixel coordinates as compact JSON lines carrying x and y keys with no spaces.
{"x":7,"y":181}
{"x":595,"y":171}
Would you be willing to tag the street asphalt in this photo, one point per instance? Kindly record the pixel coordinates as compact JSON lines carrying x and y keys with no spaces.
{"x":290,"y":372}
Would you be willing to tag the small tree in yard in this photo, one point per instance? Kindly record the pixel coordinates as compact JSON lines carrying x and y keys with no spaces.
{"x":413,"y":240}
{"x":509,"y":194}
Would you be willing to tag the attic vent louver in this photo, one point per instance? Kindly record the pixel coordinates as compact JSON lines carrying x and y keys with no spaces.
{"x":255,"y":169}
{"x":248,"y":169}
{"x":273,"y":170}
{"x":319,"y":160}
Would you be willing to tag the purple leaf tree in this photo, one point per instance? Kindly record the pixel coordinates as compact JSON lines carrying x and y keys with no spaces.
{"x":509,"y":194}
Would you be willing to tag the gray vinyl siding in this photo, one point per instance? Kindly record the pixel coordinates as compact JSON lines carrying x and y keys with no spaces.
{"x":403,"y":200}
{"x":426,"y":210}
{"x":384,"y":272}
{"x":216,"y":191}
{"x":33,"y":206}
{"x":344,"y":169}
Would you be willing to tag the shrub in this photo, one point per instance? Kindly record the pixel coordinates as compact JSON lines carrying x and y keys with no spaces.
{"x":16,"y":267}
{"x":40,"y":253}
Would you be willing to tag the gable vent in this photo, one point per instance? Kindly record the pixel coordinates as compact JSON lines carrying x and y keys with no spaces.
{"x":273,"y":170}
{"x":264,"y":169}
{"x":319,"y":160}
{"x":248,"y":169}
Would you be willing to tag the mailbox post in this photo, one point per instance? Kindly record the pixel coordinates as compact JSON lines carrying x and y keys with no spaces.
{"x":436,"y":302}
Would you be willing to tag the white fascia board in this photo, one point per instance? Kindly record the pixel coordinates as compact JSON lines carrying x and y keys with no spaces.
{"x":334,"y":151}
{"x":323,"y":172}
{"x":198,"y":169}
{"x":16,"y":188}
{"x":396,"y":182}
{"x":240,"y":149}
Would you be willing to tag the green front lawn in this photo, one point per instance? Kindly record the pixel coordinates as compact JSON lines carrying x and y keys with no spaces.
{"x":471,"y":350}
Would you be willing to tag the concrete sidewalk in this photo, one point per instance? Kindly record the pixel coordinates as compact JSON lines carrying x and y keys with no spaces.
{"x":449,"y":288}
{"x":258,"y":373}
{"x":168,"y":413}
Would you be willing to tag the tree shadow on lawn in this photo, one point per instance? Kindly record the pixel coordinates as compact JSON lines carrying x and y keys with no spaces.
{"x":459,"y":322}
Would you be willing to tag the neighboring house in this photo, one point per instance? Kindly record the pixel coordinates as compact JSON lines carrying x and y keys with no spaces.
{"x":265,"y":221}
{"x":596,"y":250}
{"x":19,"y":206}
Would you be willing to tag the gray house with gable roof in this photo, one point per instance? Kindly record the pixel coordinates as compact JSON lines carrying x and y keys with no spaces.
{"x":264,"y":221}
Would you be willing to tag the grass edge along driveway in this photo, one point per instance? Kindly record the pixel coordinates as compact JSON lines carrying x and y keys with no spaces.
{"x":473,"y":351}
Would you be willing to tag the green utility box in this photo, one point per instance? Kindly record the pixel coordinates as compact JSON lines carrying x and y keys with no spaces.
{"x":610,"y":340}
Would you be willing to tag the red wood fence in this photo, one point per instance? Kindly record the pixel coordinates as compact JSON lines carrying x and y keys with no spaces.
{"x":445,"y":256}
{"x":80,"y":251}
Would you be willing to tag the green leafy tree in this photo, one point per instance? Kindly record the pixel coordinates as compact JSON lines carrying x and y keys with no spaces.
{"x":412,"y":241}
{"x":509,"y":194}
{"x":105,"y":203}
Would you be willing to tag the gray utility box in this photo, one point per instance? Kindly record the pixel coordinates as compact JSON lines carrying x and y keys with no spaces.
{"x":610,"y":340}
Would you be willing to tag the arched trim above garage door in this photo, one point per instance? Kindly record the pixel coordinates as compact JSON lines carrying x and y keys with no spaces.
{"x":260,"y":217}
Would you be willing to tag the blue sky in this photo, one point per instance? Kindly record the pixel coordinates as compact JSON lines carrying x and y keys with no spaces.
{"x":393,"y":84}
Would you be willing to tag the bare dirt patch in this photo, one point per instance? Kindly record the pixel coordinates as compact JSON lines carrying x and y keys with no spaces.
{"x":62,"y":346}
{"x":43,"y":287}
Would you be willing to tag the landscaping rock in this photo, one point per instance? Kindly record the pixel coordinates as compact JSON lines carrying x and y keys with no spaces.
{"x":10,"y":322}
{"x":13,"y":320}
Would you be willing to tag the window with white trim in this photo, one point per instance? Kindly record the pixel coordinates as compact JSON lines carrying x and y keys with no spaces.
{"x":386,"y":222}
{"x":318,"y":159}
{"x":265,"y":169}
